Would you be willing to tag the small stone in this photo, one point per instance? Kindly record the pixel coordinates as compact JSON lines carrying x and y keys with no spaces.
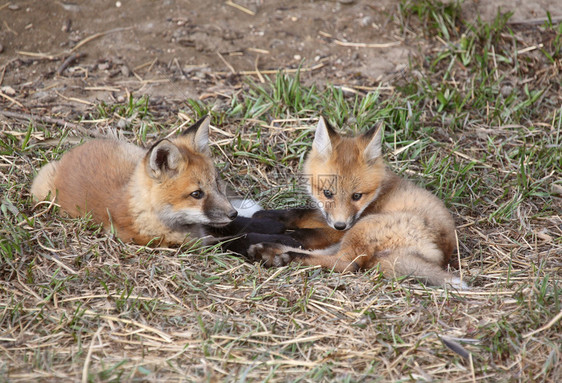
{"x":366,"y":21}
{"x":297,"y":57}
{"x":125,"y":71}
{"x":13,"y":7}
{"x":8,"y":90}
{"x":66,"y":26}
{"x":1,"y":48}
{"x":506,"y":90}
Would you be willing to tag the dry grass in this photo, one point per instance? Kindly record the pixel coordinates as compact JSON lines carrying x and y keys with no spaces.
{"x":76,"y":304}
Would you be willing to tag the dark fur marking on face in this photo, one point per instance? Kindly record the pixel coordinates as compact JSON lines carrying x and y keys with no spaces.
{"x":210,"y":208}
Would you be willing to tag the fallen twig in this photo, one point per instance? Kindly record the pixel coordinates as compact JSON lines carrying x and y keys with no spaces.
{"x":537,"y":21}
{"x":556,"y":318}
{"x":96,"y":35}
{"x":272,"y":71}
{"x":11,"y":99}
{"x":241,"y":8}
{"x":366,"y":45}
{"x":226,"y":63}
{"x":69,"y":60}
{"x":48,"y":120}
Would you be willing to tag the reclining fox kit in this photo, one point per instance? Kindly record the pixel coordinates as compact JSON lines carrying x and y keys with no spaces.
{"x":367,"y":215}
{"x":165,"y":195}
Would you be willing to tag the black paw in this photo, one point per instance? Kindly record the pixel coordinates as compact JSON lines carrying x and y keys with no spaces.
{"x":271,"y":254}
{"x":241,"y":245}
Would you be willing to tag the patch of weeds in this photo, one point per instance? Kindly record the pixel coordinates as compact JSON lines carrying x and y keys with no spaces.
{"x":200,"y":109}
{"x":112,"y":372}
{"x":435,"y":17}
{"x":281,"y":97}
{"x":552,"y":39}
{"x":15,"y":237}
{"x":133,"y":116}
{"x":137,"y":108}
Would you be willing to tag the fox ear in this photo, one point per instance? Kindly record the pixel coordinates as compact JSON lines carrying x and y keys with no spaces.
{"x":198,"y":133}
{"x":163,"y":158}
{"x":323,"y":138}
{"x":374,"y":147}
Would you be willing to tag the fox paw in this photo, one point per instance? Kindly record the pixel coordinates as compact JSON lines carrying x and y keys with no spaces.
{"x":271,"y":254}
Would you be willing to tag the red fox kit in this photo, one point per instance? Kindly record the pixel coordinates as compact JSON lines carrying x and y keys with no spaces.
{"x":170,"y":191}
{"x":367,"y":215}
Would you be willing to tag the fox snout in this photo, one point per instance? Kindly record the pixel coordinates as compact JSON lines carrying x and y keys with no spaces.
{"x":340,"y":224}
{"x":221,"y":217}
{"x":219,"y":211}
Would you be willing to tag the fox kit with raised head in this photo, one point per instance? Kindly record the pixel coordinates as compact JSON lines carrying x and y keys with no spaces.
{"x":366,"y":216}
{"x":170,"y":192}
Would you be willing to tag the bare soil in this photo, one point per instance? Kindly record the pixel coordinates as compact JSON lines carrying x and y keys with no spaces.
{"x":62,"y":57}
{"x":181,"y":49}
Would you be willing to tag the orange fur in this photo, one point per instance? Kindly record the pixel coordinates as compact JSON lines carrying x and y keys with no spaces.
{"x":142,"y":194}
{"x":384,"y":220}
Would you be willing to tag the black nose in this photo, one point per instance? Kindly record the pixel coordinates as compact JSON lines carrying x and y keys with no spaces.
{"x":232,"y":214}
{"x":340,"y":225}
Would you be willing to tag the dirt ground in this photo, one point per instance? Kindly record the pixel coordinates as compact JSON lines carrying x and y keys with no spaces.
{"x":61,"y":58}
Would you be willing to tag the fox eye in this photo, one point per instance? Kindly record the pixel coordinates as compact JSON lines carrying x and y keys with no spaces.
{"x":356,"y":196}
{"x":197,"y":194}
{"x":328,"y":194}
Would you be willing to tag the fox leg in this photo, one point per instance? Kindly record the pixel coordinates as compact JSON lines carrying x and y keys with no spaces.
{"x":401,"y":262}
{"x":319,"y":238}
{"x":275,"y":254}
{"x":308,"y":225}
{"x":294,"y":218}
{"x":242,"y":225}
{"x":240,"y":244}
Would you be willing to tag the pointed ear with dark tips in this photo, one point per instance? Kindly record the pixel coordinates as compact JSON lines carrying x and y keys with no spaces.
{"x":374,"y":147}
{"x":198,"y":133}
{"x":163,"y":159}
{"x":322,"y":143}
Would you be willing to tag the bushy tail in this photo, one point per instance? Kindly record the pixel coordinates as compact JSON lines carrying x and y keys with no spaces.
{"x":406,"y":262}
{"x":43,"y":184}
